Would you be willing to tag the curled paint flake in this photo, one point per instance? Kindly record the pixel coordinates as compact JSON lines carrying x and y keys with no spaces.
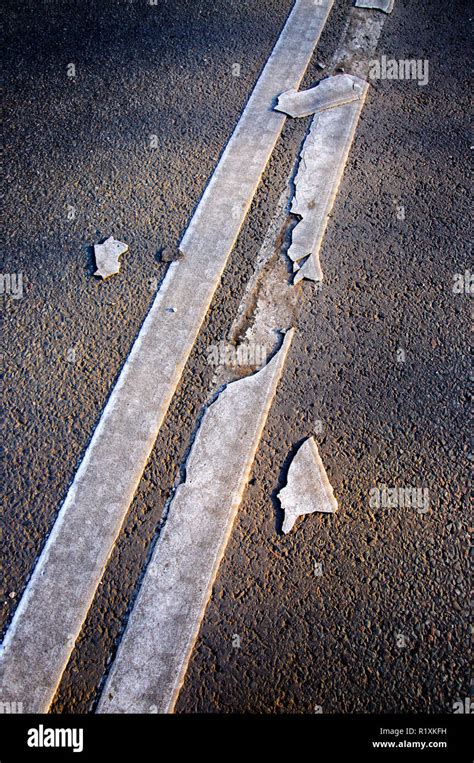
{"x":328,"y":94}
{"x":308,"y":488}
{"x":107,"y":257}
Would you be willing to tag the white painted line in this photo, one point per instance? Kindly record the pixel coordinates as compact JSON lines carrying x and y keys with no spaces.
{"x":228,"y":196}
{"x":359,"y":43}
{"x":327,"y":147}
{"x":152,"y":659}
{"x":50,"y":614}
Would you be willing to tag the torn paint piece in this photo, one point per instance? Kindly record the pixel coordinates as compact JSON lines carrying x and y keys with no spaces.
{"x":107,"y":257}
{"x":378,"y":5}
{"x":311,"y":269}
{"x":322,"y":162}
{"x":328,"y":94}
{"x":308,"y":488}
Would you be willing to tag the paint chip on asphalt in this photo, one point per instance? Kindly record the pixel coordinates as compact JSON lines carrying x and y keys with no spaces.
{"x":308,"y":488}
{"x":107,"y":257}
{"x":328,"y":94}
{"x":378,"y":5}
{"x":310,"y":269}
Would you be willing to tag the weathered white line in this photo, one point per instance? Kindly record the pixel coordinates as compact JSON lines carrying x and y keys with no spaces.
{"x":53,"y":608}
{"x":359,"y":42}
{"x":228,"y":196}
{"x":152,"y":659}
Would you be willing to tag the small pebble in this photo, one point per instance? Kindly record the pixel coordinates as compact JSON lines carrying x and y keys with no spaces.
{"x":171,"y":255}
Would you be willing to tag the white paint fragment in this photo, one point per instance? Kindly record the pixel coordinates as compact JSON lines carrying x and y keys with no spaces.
{"x":322,"y":163}
{"x":311,"y":270}
{"x":308,"y":488}
{"x":378,"y":5}
{"x":107,"y":257}
{"x":328,"y":94}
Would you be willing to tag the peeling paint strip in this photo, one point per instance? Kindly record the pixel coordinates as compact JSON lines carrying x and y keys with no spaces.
{"x":50,"y":614}
{"x":323,"y":159}
{"x":378,"y":5}
{"x":152,"y":659}
{"x":357,"y":46}
{"x":329,"y":93}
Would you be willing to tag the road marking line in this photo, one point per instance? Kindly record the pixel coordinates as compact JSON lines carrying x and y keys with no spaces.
{"x":262,"y":127}
{"x":49,"y":616}
{"x":359,"y":43}
{"x":153,"y":656}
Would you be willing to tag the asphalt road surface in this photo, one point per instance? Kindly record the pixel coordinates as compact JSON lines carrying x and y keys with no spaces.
{"x":378,"y":369}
